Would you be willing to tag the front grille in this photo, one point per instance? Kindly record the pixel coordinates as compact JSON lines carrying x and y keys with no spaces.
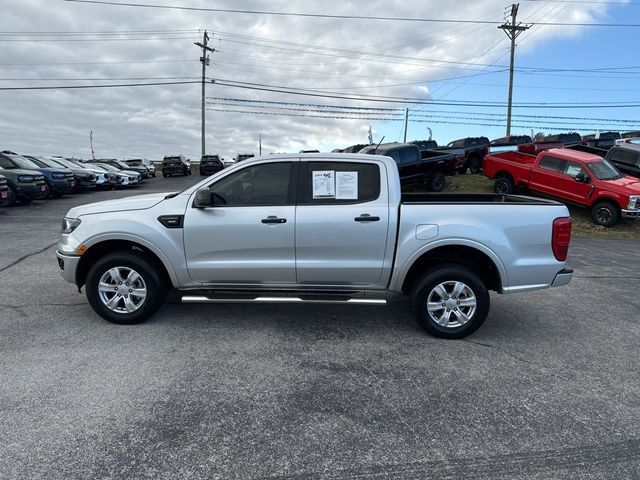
{"x":3,"y":181}
{"x":132,"y":179}
{"x":39,"y":178}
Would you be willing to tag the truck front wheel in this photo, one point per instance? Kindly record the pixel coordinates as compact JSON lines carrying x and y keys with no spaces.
{"x":605,"y":213}
{"x":125,"y":288}
{"x":450,"y":301}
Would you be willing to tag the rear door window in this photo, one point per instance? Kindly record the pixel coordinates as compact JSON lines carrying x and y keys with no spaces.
{"x":328,"y":183}
{"x":553,"y":164}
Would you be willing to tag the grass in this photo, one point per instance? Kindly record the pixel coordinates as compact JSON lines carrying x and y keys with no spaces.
{"x":627,"y":229}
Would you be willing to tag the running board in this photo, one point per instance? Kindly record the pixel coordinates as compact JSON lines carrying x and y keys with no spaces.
{"x":358,"y":301}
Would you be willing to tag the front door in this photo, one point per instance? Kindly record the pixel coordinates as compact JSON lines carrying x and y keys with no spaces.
{"x":247,"y":237}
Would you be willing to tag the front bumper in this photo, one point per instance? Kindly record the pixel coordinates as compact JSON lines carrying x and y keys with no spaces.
{"x":563,"y":277}
{"x":68,"y":265}
{"x":4,"y":196}
{"x":32,"y":191}
{"x":631,"y":213}
{"x":62,"y":186}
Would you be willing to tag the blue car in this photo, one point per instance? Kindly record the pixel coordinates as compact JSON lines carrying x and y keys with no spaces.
{"x":59,"y":181}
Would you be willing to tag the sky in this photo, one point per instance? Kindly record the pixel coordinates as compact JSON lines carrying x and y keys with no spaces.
{"x":306,"y":82}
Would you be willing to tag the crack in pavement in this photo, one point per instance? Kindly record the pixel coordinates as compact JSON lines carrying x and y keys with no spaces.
{"x":28,"y":255}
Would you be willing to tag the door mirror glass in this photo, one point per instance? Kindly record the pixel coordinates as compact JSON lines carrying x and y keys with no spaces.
{"x":203,"y":198}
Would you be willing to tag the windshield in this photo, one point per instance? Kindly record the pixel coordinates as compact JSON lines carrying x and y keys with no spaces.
{"x":603,"y":170}
{"x":94,"y":166}
{"x":65,"y":163}
{"x":123,"y":165}
{"x":23,"y":162}
{"x":108,"y":167}
{"x":6,"y":163}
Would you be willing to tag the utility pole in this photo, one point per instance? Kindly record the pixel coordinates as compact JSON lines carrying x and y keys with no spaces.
{"x":204,"y":59}
{"x":406,"y":123}
{"x":513,"y":31}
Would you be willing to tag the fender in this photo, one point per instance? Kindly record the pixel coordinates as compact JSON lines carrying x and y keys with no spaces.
{"x":142,"y":241}
{"x":400,"y":273}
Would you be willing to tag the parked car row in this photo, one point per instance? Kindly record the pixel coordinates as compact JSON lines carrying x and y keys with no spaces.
{"x":24,"y":178}
{"x":576,"y":174}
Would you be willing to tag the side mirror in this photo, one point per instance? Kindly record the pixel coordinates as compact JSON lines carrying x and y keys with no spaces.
{"x":583,"y":178}
{"x":203,"y":198}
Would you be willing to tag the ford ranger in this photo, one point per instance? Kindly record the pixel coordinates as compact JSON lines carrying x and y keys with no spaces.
{"x":321,"y":228}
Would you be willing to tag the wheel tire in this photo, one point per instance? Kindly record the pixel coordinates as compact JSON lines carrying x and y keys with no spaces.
{"x":437,"y":182}
{"x":472,"y":291}
{"x":151,"y":281}
{"x":164,"y":175}
{"x":504,"y":185}
{"x":605,"y":213}
{"x":462,"y":170}
{"x":475,"y":164}
{"x":13,"y":198}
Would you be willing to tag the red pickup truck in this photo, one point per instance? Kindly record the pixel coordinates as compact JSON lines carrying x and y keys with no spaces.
{"x":569,"y":175}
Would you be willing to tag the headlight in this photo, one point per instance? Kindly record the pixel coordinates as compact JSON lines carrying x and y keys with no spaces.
{"x":69,"y":224}
{"x":634,"y":202}
{"x":26,"y":179}
{"x":58,"y":176}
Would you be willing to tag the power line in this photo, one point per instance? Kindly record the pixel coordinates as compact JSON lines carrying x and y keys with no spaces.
{"x":399,"y":110}
{"x":88,"y":79}
{"x":92,"y":63}
{"x":342,"y":17}
{"x":78,"y":87}
{"x":360,"y":118}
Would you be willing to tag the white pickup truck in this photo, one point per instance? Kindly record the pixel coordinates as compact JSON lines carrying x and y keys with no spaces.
{"x":319,"y":228}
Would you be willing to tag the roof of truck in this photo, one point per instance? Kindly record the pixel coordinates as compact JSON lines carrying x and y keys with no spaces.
{"x":568,"y":154}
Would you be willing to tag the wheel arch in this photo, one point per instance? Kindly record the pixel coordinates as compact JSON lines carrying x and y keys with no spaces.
{"x":504,"y":173}
{"x":480,"y":260}
{"x":104,"y":247}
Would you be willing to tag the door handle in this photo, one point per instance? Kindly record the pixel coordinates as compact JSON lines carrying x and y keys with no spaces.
{"x":273,"y":219}
{"x":365,"y":217}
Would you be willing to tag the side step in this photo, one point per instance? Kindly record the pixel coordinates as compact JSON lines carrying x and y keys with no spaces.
{"x":317,"y":299}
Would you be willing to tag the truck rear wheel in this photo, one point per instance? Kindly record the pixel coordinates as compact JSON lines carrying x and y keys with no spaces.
{"x":450,"y":301}
{"x":436,"y":182}
{"x":605,"y":213}
{"x":475,"y":164}
{"x":504,"y":184}
{"x":125,"y":288}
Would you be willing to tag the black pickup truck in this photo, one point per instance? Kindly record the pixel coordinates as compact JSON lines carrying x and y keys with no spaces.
{"x":418,"y":166}
{"x":626,"y":157}
{"x":471,"y":150}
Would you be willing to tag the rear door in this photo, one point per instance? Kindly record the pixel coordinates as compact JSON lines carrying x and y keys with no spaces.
{"x":342,"y":221}
{"x":247,"y":237}
{"x":548,"y":176}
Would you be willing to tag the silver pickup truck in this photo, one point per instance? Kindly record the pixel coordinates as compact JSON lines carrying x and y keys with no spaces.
{"x":324,"y":228}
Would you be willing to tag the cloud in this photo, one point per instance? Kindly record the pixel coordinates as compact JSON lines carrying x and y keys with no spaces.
{"x":344,"y":56}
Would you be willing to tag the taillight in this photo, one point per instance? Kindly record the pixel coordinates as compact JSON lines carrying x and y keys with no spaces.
{"x":561,"y":237}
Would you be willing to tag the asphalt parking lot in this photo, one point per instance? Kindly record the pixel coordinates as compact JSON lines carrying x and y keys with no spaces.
{"x":548,"y":388}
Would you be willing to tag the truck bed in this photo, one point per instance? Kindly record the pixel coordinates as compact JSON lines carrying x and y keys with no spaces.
{"x":471,"y":199}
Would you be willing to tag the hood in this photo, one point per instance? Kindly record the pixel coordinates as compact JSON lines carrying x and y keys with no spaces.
{"x":138,"y":202}
{"x":626,"y":185}
{"x":10,"y":172}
